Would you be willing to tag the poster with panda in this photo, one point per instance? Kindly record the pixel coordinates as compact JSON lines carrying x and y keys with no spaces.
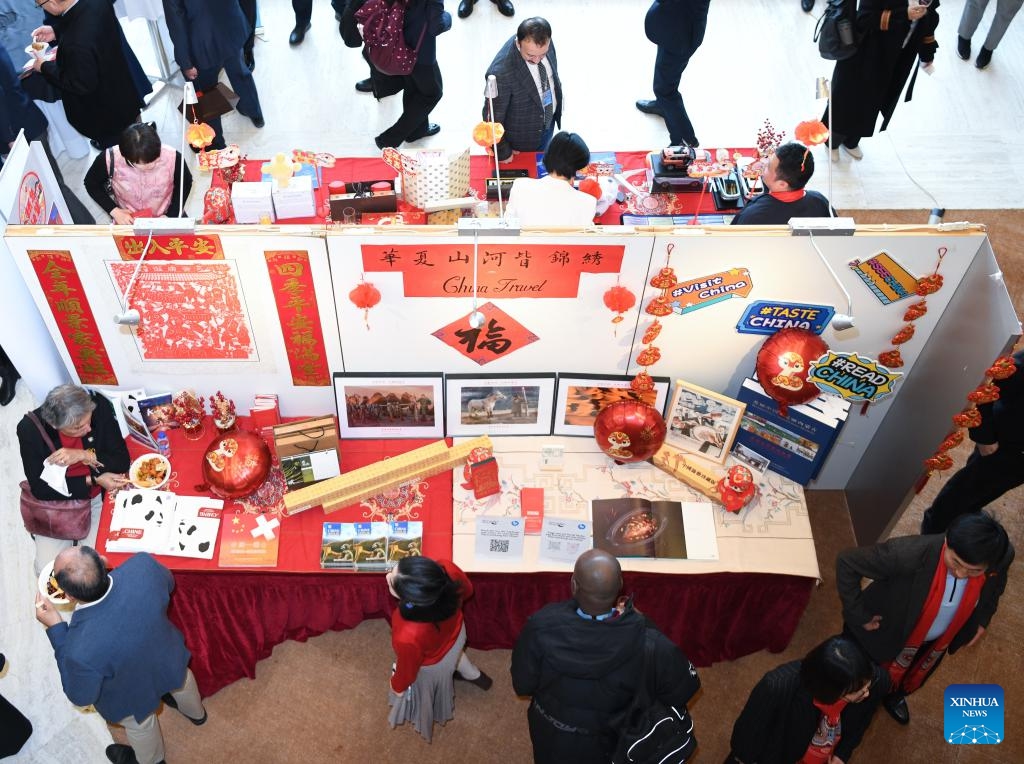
{"x":196,"y":525}
{"x":159,"y":522}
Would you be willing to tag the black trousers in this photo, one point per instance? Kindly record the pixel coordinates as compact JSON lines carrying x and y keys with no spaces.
{"x":981,"y":481}
{"x":15,"y":729}
{"x":423,"y":91}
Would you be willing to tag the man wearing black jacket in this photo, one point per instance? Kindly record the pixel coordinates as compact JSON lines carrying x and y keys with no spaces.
{"x":581,"y":659}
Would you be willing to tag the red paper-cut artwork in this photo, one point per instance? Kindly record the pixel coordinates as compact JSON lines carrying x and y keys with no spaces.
{"x":31,"y":201}
{"x":500,"y":335}
{"x":190,"y":310}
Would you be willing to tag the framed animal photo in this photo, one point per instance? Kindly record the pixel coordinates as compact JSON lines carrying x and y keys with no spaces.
{"x":497,"y":404}
{"x":702,"y":422}
{"x":390,"y":405}
{"x":581,"y":396}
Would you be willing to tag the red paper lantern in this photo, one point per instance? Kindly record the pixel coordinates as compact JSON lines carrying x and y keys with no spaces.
{"x":365,"y":296}
{"x":236,"y":464}
{"x":811,"y":132}
{"x":619,"y":299}
{"x":783,"y":362}
{"x":629,"y":431}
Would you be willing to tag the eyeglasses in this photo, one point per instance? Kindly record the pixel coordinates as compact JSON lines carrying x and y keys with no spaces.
{"x":40,"y":5}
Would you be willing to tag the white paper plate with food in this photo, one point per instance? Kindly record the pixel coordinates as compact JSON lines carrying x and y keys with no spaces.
{"x":150,"y":471}
{"x":48,"y":586}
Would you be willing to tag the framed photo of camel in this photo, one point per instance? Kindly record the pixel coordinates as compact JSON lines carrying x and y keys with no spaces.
{"x":499,"y":404}
{"x":581,"y":396}
{"x":703,"y":422}
{"x":390,"y":405}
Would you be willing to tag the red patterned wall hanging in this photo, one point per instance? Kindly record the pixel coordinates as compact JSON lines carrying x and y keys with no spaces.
{"x":292,"y":284}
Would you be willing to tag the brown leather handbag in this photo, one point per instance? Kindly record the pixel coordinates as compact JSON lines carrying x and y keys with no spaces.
{"x":67,"y":519}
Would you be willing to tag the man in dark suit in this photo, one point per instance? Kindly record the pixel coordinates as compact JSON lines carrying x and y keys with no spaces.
{"x":677,"y":28}
{"x":928,"y":595}
{"x":120,"y":653}
{"x":529,"y":100}
{"x":95,"y":81}
{"x":209,"y":37}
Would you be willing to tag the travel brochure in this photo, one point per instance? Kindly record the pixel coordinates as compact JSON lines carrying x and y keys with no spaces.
{"x":370,"y":546}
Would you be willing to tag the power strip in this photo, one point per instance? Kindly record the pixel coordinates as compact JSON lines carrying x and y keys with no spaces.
{"x":163,"y":226}
{"x":488,"y":226}
{"x":822,"y":226}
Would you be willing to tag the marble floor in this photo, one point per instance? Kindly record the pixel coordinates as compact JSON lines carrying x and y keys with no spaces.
{"x":955,"y":145}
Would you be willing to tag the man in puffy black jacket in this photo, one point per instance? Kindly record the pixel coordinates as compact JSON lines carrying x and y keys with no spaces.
{"x":581,"y":661}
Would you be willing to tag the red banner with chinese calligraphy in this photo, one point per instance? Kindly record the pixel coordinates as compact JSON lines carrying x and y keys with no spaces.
{"x":292,"y":283}
{"x":171,"y":247}
{"x":498,"y":336}
{"x":64,"y":294}
{"x":505,"y":270}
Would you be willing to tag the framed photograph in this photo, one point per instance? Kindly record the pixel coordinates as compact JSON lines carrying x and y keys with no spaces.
{"x":702,"y":422}
{"x":498,"y":404}
{"x":581,"y":396}
{"x":390,"y":405}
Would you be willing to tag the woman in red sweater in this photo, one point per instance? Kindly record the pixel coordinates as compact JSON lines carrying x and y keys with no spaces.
{"x":428,"y":636}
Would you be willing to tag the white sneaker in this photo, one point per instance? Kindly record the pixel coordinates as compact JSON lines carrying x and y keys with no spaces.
{"x":835,"y":155}
{"x":856,"y":152}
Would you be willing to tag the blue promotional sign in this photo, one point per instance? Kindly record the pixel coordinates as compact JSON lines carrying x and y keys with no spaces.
{"x":974,"y":714}
{"x":767,"y":317}
{"x":854,"y":377}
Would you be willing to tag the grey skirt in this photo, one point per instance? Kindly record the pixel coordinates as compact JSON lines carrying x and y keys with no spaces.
{"x":431,"y":698}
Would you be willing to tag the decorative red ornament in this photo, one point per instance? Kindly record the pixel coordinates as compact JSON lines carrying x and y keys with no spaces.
{"x":488,"y":133}
{"x":952,"y":440}
{"x":811,"y":132}
{"x":1003,"y":368}
{"x":619,"y":299}
{"x":592,"y":187}
{"x":365,"y":296}
{"x":664,"y":279}
{"x":629,"y":431}
{"x":658,"y":307}
{"x":648,"y":356}
{"x":938,"y":463}
{"x":782,"y":364}
{"x":642,"y":383}
{"x":652,"y":333}
{"x":984,"y":394}
{"x":236,"y":464}
{"x":891,"y":358}
{"x":903,"y":335}
{"x":737,"y":488}
{"x":927,"y":285}
{"x":968,"y":418}
{"x":916,"y":310}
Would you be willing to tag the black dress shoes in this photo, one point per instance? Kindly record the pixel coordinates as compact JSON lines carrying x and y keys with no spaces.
{"x":896,"y":705}
{"x":298,"y":34}
{"x":984,"y":58}
{"x":121,"y":754}
{"x":170,"y":702}
{"x":807,"y":5}
{"x":432,"y":129}
{"x":483,"y":681}
{"x":365,"y":86}
{"x":963,"y":48}
{"x":505,"y":7}
{"x":466,"y":8}
{"x":650,"y":107}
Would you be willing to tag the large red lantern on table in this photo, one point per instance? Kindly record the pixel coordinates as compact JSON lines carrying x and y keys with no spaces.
{"x":629,"y":431}
{"x":236,"y":464}
{"x":782,"y":365}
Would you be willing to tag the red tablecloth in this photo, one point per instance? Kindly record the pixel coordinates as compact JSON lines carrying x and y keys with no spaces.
{"x":352,"y":169}
{"x":233,"y":618}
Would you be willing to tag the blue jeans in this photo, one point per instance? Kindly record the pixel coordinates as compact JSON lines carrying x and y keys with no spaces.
{"x":242,"y":83}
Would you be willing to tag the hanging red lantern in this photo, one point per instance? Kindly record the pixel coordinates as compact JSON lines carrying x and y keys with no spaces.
{"x":629,"y":431}
{"x":365,"y":296}
{"x":969,"y":418}
{"x":619,"y":299}
{"x":783,"y":362}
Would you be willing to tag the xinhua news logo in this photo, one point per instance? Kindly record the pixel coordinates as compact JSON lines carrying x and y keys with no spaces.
{"x":974,"y":714}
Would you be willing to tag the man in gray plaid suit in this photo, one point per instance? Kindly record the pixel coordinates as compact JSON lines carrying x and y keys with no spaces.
{"x":529,"y":100}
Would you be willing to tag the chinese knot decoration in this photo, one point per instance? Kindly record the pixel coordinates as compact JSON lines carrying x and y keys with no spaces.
{"x":658,"y":307}
{"x":926,"y":285}
{"x":365,"y":296}
{"x":987,"y":392}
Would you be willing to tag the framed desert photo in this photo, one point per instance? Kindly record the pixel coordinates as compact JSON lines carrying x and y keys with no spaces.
{"x":702,"y":422}
{"x":498,"y":404}
{"x":581,"y":396}
{"x":390,"y":405}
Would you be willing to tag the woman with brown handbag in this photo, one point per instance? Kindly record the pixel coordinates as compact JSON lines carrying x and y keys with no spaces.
{"x":77,"y":430}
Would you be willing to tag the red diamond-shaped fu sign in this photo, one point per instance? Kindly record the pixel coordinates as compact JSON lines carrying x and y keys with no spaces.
{"x":499,"y":336}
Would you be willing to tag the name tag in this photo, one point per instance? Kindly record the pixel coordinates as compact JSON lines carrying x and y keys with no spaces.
{"x":546,"y":98}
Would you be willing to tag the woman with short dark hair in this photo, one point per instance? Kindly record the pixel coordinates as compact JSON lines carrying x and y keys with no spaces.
{"x":87,"y":442}
{"x":552,"y":200}
{"x":140,"y":177}
{"x":428,"y":636}
{"x":813,"y":710}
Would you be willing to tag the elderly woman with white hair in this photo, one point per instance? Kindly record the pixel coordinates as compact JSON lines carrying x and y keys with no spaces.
{"x":76,"y":430}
